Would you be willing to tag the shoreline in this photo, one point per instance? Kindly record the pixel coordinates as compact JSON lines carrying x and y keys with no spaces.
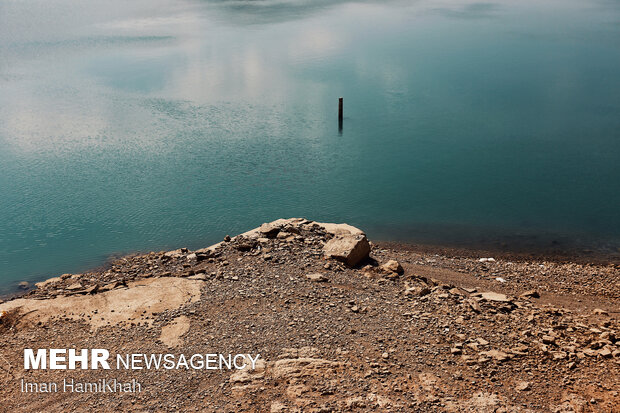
{"x":517,"y":254}
{"x":550,"y":254}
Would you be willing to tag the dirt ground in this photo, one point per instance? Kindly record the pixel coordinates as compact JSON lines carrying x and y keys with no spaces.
{"x":439,"y":330}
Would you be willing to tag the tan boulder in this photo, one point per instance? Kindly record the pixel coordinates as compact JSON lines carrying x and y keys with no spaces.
{"x":350,"y":249}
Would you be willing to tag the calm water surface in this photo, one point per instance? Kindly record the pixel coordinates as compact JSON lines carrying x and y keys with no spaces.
{"x":152,"y":124}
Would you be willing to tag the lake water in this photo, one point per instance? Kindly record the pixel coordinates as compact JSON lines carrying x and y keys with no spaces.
{"x":154,"y":124}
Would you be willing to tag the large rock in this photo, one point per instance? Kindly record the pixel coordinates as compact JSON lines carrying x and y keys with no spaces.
{"x":350,"y":249}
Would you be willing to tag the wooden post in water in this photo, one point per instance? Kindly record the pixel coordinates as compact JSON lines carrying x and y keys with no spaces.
{"x":340,"y":116}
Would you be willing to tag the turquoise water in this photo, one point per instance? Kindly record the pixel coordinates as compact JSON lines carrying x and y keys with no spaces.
{"x":145,"y":125}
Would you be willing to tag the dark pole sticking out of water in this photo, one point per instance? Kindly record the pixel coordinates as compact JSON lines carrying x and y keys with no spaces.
{"x":340,"y":114}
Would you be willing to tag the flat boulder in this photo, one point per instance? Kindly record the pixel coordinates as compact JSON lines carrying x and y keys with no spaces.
{"x":496,"y":297}
{"x":41,"y":285}
{"x":350,"y":249}
{"x":340,"y":229}
{"x":270,"y":229}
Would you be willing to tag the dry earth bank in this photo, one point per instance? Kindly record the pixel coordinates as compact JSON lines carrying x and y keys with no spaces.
{"x":341,"y":325}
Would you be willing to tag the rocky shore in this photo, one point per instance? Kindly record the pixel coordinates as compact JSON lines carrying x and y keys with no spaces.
{"x":341,"y":325}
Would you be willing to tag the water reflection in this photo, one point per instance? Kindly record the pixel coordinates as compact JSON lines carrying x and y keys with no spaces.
{"x":469,"y":11}
{"x":277,"y":11}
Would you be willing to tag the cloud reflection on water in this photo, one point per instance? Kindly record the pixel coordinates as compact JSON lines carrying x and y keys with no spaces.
{"x":276,"y":11}
{"x":469,"y":11}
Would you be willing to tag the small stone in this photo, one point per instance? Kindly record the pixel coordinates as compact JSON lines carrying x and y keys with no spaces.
{"x":173,"y":254}
{"x":599,"y":311}
{"x":424,"y":291}
{"x":473,"y":346}
{"x":531,"y":293}
{"x":473,"y":305}
{"x":316,"y":277}
{"x":523,"y":386}
{"x":496,"y":355}
{"x":385,"y":355}
{"x":245,"y":244}
{"x":392,"y":266}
